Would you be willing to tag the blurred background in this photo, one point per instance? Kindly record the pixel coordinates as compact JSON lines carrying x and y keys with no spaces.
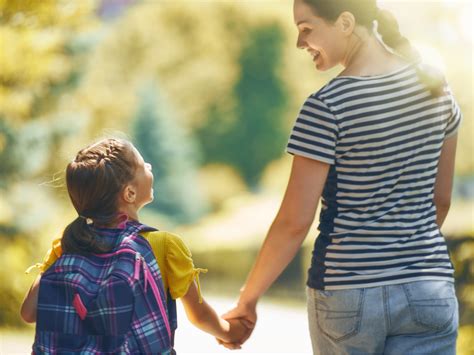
{"x":208,"y":91}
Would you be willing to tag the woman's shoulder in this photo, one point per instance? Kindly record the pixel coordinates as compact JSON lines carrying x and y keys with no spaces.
{"x":324,"y":94}
{"x":342,"y":84}
{"x":317,"y":101}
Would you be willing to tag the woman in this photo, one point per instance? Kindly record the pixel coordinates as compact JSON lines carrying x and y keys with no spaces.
{"x":377,"y":145}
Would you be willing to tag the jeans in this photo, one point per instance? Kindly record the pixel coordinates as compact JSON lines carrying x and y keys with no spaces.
{"x":411,"y":318}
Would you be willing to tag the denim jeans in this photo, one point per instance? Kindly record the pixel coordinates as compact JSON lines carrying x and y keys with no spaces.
{"x":411,"y":318}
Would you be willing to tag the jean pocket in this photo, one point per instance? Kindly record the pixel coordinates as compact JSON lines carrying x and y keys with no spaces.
{"x":432,"y":303}
{"x":339,"y":312}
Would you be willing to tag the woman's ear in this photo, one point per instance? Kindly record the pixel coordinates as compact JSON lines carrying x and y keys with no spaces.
{"x":346,"y":23}
{"x":129,"y":194}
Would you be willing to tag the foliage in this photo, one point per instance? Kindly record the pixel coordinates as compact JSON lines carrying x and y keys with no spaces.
{"x":153,"y":41}
{"x":461,"y":250}
{"x":40,"y":66}
{"x":220,"y":182}
{"x":35,"y":60}
{"x":255,"y":134}
{"x":173,"y":156}
{"x":465,"y":344}
{"x":233,"y":79}
{"x":13,"y":285}
{"x":10,"y":163}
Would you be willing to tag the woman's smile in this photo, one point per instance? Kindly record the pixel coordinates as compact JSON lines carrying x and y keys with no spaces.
{"x":315,"y":55}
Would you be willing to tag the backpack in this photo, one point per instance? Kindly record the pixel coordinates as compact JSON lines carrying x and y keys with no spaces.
{"x":106,"y":303}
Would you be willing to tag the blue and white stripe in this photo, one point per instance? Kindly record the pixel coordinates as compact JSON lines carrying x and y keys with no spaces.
{"x":382,"y":136}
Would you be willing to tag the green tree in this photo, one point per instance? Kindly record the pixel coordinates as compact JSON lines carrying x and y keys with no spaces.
{"x":37,"y":53}
{"x":255,"y":133}
{"x":10,"y":162}
{"x":39,"y":63}
{"x":42,"y":50}
{"x":172,"y":154}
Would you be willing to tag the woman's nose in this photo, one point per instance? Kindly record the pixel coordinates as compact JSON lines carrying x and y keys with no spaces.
{"x":300,"y":43}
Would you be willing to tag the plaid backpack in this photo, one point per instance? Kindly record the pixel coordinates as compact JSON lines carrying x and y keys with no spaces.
{"x":106,"y":303}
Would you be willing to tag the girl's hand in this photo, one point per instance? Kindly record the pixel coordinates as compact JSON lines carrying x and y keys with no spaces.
{"x":238,"y":332}
{"x":30,"y":303}
{"x":246,"y":314}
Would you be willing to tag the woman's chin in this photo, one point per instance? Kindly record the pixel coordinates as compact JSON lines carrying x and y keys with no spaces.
{"x":323,"y":64}
{"x":321,"y":67}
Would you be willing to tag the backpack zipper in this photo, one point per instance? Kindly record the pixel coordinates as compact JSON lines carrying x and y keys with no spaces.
{"x":136,"y":273}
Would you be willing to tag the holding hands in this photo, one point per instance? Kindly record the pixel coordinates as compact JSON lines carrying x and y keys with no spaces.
{"x":242,"y":316}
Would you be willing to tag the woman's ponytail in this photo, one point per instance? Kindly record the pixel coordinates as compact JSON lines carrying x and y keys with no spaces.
{"x":388,"y":29}
{"x":78,"y":238}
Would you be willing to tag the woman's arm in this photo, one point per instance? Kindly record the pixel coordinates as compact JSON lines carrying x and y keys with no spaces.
{"x":204,"y":317}
{"x":286,"y":234}
{"x":30,"y":303}
{"x":444,"y":179}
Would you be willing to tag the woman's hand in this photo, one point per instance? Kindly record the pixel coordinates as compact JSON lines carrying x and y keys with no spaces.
{"x":238,"y":333}
{"x":246,"y":314}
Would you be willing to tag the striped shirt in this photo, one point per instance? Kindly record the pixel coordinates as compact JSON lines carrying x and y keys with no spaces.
{"x":382,"y":136}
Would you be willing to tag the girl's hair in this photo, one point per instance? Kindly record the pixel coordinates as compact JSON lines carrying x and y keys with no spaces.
{"x":365,"y":13}
{"x":94,"y":181}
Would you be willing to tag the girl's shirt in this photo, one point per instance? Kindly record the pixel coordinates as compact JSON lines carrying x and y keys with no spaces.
{"x":172,"y":255}
{"x":382,"y":136}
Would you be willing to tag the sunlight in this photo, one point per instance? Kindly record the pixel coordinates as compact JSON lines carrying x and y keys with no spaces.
{"x":465,"y":20}
{"x":430,"y":56}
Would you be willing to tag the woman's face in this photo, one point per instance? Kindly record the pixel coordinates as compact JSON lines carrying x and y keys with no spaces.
{"x":324,"y":41}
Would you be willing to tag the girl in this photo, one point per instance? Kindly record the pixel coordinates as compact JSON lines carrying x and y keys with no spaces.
{"x":108,"y":183}
{"x":377,"y":145}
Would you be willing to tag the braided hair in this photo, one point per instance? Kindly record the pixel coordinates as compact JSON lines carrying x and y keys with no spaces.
{"x":94,"y":181}
{"x":366,"y":13}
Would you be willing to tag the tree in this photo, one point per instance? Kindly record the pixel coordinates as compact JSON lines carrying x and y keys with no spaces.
{"x":261,"y":103}
{"x":172,"y":154}
{"x":36,"y":56}
{"x":10,"y":162}
{"x":255,"y":134}
{"x":39,"y":65}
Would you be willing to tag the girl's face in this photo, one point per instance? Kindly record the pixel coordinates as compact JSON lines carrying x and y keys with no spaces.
{"x":325,"y":42}
{"x":143,"y":181}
